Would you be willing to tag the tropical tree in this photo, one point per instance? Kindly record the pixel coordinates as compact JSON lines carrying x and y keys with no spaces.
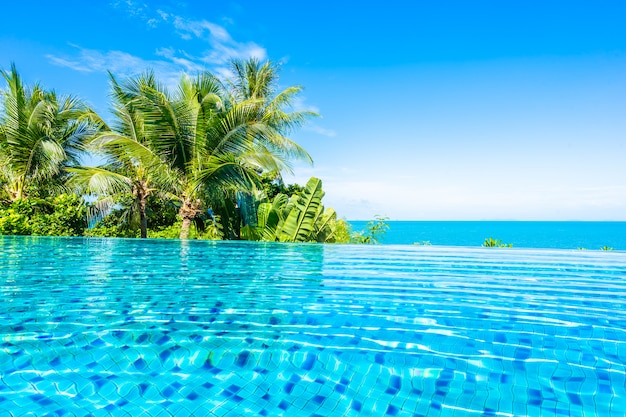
{"x":132,"y":167}
{"x":40,"y":134}
{"x":254,"y":83}
{"x":203,"y":146}
{"x":178,"y":128}
{"x":217,"y":141}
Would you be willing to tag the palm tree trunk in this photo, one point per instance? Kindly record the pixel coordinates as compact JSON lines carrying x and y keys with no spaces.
{"x":184,"y":229}
{"x":143,"y":220}
{"x":187,"y":212}
{"x":141,"y":194}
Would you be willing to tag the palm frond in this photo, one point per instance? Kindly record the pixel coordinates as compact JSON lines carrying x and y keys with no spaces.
{"x":99,"y":181}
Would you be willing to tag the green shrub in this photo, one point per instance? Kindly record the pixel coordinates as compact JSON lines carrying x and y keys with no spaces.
{"x":496,"y":243}
{"x":374,"y":231}
{"x":342,"y":231}
{"x":211,"y":232}
{"x":62,"y":215}
{"x":12,"y":222}
{"x":112,"y":225}
{"x":168,"y":232}
{"x":66,"y":215}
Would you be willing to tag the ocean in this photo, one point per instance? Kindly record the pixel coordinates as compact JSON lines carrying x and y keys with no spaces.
{"x":521,"y":234}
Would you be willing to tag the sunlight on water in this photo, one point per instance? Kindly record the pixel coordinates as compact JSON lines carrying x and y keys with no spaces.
{"x":130,"y":327}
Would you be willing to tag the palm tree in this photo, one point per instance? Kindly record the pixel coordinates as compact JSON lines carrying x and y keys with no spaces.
{"x":197,"y":147}
{"x":255,"y":83}
{"x":40,"y":133}
{"x":205,"y":141}
{"x":132,"y":167}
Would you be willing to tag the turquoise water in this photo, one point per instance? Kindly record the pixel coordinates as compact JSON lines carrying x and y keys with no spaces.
{"x":158,"y":328}
{"x":556,"y":235}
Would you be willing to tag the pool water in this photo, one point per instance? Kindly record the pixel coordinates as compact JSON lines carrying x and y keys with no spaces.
{"x":158,"y":328}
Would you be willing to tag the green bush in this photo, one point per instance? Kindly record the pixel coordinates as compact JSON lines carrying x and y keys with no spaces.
{"x":496,"y":243}
{"x":342,"y":231}
{"x":373,"y":233}
{"x":112,"y":225}
{"x":62,"y":215}
{"x":211,"y":232}
{"x":66,"y":216}
{"x":12,"y":222}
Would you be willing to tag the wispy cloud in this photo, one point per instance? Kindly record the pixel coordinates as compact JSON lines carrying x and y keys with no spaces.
{"x":300,"y":104}
{"x":220,"y":47}
{"x":315,"y":128}
{"x":123,"y":64}
{"x":90,"y":60}
{"x":135,"y":9}
{"x":181,"y":59}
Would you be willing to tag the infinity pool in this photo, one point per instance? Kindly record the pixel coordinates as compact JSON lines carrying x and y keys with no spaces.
{"x":158,"y":328}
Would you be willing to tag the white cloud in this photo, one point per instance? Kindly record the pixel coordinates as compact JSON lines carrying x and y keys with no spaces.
{"x":362,"y":194}
{"x":164,"y":16}
{"x":221,"y":47}
{"x":122,"y":64}
{"x":186,"y":62}
{"x":315,"y":128}
{"x":299,"y":104}
{"x":133,"y":8}
{"x":90,"y":60}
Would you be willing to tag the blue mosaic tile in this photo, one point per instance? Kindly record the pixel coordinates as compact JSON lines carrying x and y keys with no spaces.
{"x":339,"y":341}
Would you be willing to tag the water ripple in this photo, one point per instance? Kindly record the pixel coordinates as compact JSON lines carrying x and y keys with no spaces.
{"x":236,"y":328}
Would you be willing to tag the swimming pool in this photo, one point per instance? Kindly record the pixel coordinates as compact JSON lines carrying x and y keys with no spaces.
{"x":157,"y":328}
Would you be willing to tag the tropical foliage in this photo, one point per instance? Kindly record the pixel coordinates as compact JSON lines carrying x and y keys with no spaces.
{"x":62,"y":215}
{"x":132,"y":168}
{"x":199,"y":147}
{"x":40,"y":134}
{"x":203,"y":160}
{"x":373,"y":232}
{"x":299,"y":218}
{"x":199,"y":155}
{"x":495,"y":243}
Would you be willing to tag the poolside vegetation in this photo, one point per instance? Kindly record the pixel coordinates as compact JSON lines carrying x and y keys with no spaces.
{"x":495,"y":243}
{"x":373,"y":232}
{"x":203,"y":160}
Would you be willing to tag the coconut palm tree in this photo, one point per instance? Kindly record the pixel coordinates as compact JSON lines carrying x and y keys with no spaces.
{"x":254,"y":83}
{"x":205,"y":141}
{"x":197,"y":147}
{"x":40,"y":133}
{"x":132,"y":166}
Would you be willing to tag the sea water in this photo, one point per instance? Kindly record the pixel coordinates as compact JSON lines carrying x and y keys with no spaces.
{"x":160,"y":328}
{"x":523,"y":234}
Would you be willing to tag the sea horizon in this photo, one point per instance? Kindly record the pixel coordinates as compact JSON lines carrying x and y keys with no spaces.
{"x":549,"y":234}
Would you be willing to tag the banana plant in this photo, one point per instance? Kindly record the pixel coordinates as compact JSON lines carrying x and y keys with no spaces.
{"x":300,"y":223}
{"x":301,"y":218}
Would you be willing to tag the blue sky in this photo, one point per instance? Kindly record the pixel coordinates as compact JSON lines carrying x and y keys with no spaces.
{"x":450,"y":110}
